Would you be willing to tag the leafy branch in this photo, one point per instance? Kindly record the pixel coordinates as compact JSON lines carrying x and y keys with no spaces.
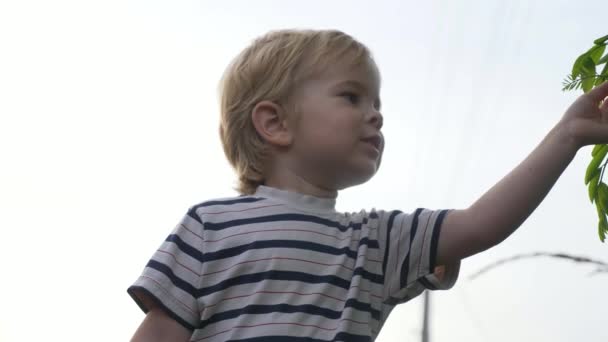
{"x":585,"y":76}
{"x":573,"y":84}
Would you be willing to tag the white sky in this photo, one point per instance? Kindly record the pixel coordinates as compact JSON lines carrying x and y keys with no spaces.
{"x":108,"y":133}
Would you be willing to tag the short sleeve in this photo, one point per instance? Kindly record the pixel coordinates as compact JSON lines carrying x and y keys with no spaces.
{"x":409,"y":246}
{"x":171,"y":277}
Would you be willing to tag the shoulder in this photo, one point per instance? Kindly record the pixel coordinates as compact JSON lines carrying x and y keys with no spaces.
{"x":414,"y":217}
{"x":376,"y":214}
{"x":228,"y":206}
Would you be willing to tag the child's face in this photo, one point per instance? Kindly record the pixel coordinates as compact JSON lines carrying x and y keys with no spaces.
{"x":337,"y":139}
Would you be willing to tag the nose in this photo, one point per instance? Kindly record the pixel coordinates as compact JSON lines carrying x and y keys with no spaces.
{"x":375,"y":118}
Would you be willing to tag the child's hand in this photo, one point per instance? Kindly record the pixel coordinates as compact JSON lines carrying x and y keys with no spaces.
{"x":586,"y":122}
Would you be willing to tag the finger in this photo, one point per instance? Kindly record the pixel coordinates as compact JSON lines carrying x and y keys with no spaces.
{"x":599,"y":93}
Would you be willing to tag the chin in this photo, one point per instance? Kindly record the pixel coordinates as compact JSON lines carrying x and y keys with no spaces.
{"x":355,"y":179}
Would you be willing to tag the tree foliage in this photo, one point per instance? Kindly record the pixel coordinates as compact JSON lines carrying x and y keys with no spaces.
{"x":585,"y":76}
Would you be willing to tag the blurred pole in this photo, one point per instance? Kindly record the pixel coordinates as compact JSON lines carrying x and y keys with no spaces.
{"x":425,"y":321}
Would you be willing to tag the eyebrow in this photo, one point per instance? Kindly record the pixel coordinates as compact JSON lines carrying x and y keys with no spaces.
{"x":361,"y":87}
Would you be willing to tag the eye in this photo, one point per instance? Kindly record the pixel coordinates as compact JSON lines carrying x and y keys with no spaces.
{"x":351,"y":97}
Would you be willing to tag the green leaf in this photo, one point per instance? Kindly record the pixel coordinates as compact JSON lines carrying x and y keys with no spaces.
{"x":602,"y":60}
{"x":605,"y":70}
{"x":600,"y":211}
{"x":587,"y":71}
{"x":593,"y":167}
{"x":592,"y":190}
{"x":570,"y":83}
{"x":591,"y":173}
{"x":596,"y":53}
{"x":603,"y":76}
{"x":602,"y":196}
{"x":588,"y":84}
{"x":596,"y":149}
{"x":602,"y":225}
{"x":578,"y":64}
{"x":602,"y":229}
{"x":601,"y":40}
{"x":587,"y":66}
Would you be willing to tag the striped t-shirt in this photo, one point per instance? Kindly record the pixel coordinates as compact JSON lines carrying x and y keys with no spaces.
{"x":282,"y":266}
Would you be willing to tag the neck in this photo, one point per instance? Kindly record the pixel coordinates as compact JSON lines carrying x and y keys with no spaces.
{"x":288,"y":180}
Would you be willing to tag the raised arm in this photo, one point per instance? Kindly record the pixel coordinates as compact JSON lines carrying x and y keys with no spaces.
{"x":503,"y":208}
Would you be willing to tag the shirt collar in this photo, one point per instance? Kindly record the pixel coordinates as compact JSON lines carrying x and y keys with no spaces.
{"x":296,"y":199}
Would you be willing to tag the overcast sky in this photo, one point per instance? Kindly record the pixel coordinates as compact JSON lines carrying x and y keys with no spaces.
{"x":109,"y":132}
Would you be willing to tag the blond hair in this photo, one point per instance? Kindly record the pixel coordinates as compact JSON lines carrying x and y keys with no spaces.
{"x":269,"y":69}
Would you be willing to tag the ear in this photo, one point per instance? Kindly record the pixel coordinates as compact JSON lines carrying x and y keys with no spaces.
{"x":270,"y":123}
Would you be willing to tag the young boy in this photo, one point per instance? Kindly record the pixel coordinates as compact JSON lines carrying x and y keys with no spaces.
{"x":300,"y":120}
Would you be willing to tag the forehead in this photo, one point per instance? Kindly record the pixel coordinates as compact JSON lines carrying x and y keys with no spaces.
{"x":351,"y":72}
{"x":365,"y":72}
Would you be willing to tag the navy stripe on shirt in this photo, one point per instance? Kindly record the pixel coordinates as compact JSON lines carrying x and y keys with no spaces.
{"x":435,"y":240}
{"x":427,"y":284}
{"x":264,"y":309}
{"x":391,"y":220}
{"x":278,"y":218}
{"x":236,"y":250}
{"x":311,"y":246}
{"x":310,"y":309}
{"x":405,"y":266}
{"x":185,"y":247}
{"x":256,"y":277}
{"x":246,"y":199}
{"x":274,"y":275}
{"x":177,"y":281}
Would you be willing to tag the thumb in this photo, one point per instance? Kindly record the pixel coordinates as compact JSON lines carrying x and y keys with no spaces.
{"x":599,"y":93}
{"x":604,"y":107}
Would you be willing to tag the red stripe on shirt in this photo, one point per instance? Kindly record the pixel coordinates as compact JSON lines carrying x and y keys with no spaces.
{"x":279,"y":258}
{"x":179,"y":263}
{"x":193,"y":233}
{"x":293,"y":293}
{"x":276,"y":292}
{"x":282,"y":230}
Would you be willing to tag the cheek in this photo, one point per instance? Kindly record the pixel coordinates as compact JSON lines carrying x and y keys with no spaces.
{"x":332,"y":128}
